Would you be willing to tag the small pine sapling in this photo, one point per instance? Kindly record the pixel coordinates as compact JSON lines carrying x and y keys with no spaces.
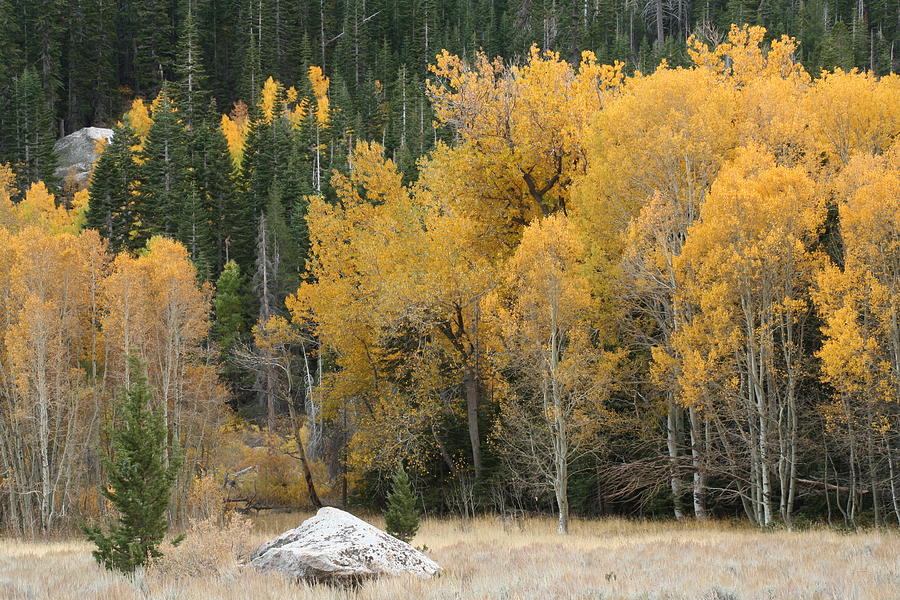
{"x":401,"y":518}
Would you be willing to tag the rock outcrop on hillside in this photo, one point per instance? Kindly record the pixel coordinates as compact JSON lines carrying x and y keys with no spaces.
{"x":76,"y":153}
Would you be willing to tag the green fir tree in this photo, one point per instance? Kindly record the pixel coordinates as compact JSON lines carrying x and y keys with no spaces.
{"x":163,"y":204}
{"x":112,"y":187}
{"x":401,"y":519}
{"x":140,"y":475}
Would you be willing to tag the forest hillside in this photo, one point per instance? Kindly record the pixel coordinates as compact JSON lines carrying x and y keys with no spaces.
{"x":646,"y":265}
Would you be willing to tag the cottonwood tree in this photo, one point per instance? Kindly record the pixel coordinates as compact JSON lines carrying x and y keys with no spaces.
{"x":520,"y":132}
{"x":388,"y":263}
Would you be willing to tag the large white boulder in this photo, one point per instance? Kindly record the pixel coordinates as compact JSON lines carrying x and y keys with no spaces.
{"x":336,"y":547}
{"x":76,"y":153}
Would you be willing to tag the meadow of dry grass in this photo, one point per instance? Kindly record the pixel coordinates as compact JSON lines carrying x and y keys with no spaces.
{"x":485,"y":559}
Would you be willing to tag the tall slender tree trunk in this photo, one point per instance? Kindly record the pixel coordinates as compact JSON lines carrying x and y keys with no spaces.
{"x":697,"y":461}
{"x":672,"y":442}
{"x":660,"y":32}
{"x":892,"y":475}
{"x":472,"y":390}
{"x":304,"y":462}
{"x":560,"y":433}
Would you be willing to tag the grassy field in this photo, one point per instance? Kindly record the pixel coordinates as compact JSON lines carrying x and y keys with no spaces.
{"x":487,"y":559}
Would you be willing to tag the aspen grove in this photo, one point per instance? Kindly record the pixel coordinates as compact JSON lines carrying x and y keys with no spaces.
{"x":594,"y":291}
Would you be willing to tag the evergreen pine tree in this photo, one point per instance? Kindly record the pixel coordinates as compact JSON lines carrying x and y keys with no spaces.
{"x":837,"y":48}
{"x":193,"y":97}
{"x":401,"y":519}
{"x":11,"y":55}
{"x":90,"y":60}
{"x":154,"y":44}
{"x":112,"y":186}
{"x":231,"y":319}
{"x":230,"y":327}
{"x":162,"y":204}
{"x":27,"y":131}
{"x":140,"y":480}
{"x":212,"y":176}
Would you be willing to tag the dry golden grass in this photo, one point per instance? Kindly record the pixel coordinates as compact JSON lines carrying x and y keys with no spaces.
{"x":485,"y":559}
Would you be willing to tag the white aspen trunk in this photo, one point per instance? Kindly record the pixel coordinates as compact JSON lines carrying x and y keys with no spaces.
{"x":757,"y":400}
{"x":560,"y":439}
{"x":873,"y":474}
{"x":792,"y":476}
{"x":755,"y":476}
{"x":891,"y":474}
{"x":672,"y":446}
{"x":764,"y":468}
{"x":312,"y":409}
{"x":851,"y":500}
{"x":43,"y":407}
{"x":699,"y":491}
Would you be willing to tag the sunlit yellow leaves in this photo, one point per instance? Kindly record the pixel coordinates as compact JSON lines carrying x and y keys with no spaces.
{"x":156,"y":310}
{"x":39,"y":208}
{"x":138,"y":117}
{"x":235,"y":128}
{"x":268,"y":99}
{"x":46,"y":338}
{"x":853,"y":112}
{"x":743,"y":272}
{"x":667,"y":134}
{"x":860,"y":302}
{"x":355,"y":261}
{"x":545,"y":282}
{"x":522,"y":131}
{"x":320,"y":85}
{"x":686,"y":208}
{"x":276,"y":332}
{"x":742,"y":57}
{"x":542,"y":308}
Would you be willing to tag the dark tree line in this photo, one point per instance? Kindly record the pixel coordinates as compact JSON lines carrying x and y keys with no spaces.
{"x":66,"y":64}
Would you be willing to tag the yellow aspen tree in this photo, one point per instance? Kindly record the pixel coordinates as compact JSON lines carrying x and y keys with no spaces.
{"x":352,"y":264}
{"x":653,"y":151}
{"x":156,"y":311}
{"x":851,"y":112}
{"x":520,"y":135}
{"x":46,"y":328}
{"x":299,"y":107}
{"x":320,"y":85}
{"x":38,"y":208}
{"x":541,"y":312}
{"x":138,"y":117}
{"x":860,"y":305}
{"x":743,"y":278}
{"x":741,"y":58}
{"x":235,"y":127}
{"x":387,"y":263}
{"x":268,"y":98}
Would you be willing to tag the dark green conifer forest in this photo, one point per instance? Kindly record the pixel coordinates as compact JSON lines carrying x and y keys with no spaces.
{"x":66,"y":64}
